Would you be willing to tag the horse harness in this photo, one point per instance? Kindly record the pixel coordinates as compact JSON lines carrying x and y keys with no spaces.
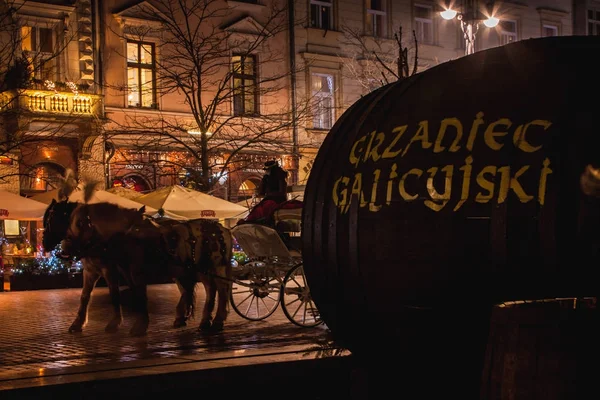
{"x":212,"y":241}
{"x":95,"y":245}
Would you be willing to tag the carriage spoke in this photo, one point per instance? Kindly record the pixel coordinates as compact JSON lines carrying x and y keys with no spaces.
{"x":297,"y":301}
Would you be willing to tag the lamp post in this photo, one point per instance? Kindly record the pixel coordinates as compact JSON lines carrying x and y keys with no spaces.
{"x":469,"y":17}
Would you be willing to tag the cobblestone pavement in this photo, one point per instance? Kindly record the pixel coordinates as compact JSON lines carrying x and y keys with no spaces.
{"x":34,"y":338}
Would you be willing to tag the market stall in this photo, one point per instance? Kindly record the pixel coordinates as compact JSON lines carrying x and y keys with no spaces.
{"x":20,"y":227}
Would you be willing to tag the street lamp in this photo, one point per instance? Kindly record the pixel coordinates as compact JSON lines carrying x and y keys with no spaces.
{"x":469,"y":18}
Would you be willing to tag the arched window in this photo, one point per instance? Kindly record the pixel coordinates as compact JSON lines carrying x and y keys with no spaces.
{"x":42,"y":178}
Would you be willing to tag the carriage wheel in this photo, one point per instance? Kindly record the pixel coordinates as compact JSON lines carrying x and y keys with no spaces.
{"x":296,"y":301}
{"x":254,"y":296}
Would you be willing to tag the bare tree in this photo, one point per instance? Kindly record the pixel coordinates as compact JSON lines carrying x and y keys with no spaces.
{"x":220,"y":62}
{"x":375,"y":62}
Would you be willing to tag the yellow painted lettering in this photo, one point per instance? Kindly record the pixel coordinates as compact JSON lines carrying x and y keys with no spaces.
{"x":543,"y":181}
{"x":464,"y":194}
{"x":444,"y":197}
{"x":340,"y":202}
{"x":357,"y":189}
{"x":372,"y":149}
{"x":402,"y":185}
{"x":446,"y":122}
{"x":422,"y":135}
{"x":354,"y":156}
{"x":490,"y":135}
{"x":390,"y":184}
{"x":474,"y":128}
{"x":388,"y":152}
{"x":485,"y":184}
{"x":520,"y":138}
{"x":373,"y":207}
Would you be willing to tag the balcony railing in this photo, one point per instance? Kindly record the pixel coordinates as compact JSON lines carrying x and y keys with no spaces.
{"x":45,"y":101}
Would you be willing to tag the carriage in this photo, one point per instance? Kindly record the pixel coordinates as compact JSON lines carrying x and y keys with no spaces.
{"x":274,"y":274}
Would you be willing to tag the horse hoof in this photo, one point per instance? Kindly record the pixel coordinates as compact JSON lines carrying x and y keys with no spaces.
{"x":205,"y":326}
{"x":139,"y":329}
{"x":111,"y":328}
{"x":179,"y":322}
{"x":75,"y":329}
{"x":217,"y":327}
{"x":137,"y":332}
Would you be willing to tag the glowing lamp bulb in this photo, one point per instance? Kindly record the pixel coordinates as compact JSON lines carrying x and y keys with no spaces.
{"x":448,"y":14}
{"x":491,"y":22}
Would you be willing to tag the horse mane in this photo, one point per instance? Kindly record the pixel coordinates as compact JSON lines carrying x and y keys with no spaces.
{"x":88,"y":190}
{"x":67,"y":185}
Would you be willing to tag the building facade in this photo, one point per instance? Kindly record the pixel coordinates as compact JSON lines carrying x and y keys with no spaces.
{"x":119,"y":97}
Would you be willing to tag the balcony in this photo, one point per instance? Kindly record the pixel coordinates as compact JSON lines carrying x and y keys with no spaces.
{"x":66,"y":104}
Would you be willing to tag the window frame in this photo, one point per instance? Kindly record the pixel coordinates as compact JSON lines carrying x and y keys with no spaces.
{"x":591,"y":22}
{"x":550,"y":26}
{"x":319,"y":23}
{"x":505,"y":34}
{"x":142,"y":66}
{"x":320,"y":95}
{"x":372,"y":14}
{"x":243,"y":76}
{"x":423,"y":22}
{"x":38,"y":58}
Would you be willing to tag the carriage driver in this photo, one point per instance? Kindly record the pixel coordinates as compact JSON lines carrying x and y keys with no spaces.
{"x":274,"y":183}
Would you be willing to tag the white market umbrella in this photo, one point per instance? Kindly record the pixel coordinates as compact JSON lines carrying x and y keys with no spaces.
{"x":102,"y":196}
{"x":124,"y":192}
{"x":14,"y":206}
{"x":192,"y":204}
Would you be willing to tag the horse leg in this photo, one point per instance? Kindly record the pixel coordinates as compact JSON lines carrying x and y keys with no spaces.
{"x":187,"y":300}
{"x":209,"y":303}
{"x":223,"y":288}
{"x":111,"y":276}
{"x":140,"y":304}
{"x":89,"y":281}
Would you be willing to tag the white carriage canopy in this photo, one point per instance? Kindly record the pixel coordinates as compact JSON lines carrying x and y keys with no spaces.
{"x":192,"y":204}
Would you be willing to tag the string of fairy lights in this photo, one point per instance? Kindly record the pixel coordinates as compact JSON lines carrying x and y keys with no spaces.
{"x":50,"y":264}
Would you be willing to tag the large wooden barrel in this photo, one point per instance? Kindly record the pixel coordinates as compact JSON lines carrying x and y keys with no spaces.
{"x":542,"y":350}
{"x":454,"y":190}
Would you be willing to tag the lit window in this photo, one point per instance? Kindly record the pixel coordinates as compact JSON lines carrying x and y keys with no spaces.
{"x":11,"y":227}
{"x":424,"y":24}
{"x":321,"y":14}
{"x":141,"y":75}
{"x":244,"y":85}
{"x":375,"y":18}
{"x":323,"y":101}
{"x":38,"y":44}
{"x":508,"y":31}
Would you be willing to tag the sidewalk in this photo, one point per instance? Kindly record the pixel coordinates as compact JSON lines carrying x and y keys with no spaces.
{"x":40,"y":359}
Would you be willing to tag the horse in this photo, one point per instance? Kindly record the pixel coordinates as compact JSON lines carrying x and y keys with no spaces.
{"x":83,"y":231}
{"x":194,"y":251}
